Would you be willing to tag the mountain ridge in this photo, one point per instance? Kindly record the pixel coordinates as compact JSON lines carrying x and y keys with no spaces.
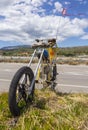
{"x":15,"y":47}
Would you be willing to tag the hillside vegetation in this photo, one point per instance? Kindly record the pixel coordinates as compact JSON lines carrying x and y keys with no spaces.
{"x":21,"y":51}
{"x":25,"y":51}
{"x":74,"y":51}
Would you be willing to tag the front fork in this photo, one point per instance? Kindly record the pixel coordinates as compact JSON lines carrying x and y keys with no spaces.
{"x":36,"y":71}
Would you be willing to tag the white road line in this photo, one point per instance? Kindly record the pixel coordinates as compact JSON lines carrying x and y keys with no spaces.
{"x":5,"y":80}
{"x":73,"y":73}
{"x":76,"y":86}
{"x":7,"y":70}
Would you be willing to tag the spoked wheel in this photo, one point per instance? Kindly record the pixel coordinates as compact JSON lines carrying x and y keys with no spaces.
{"x":20,"y":92}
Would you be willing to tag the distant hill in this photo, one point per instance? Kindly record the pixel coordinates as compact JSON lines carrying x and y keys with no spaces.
{"x":21,"y":50}
{"x":15,"y":47}
{"x":26,"y":50}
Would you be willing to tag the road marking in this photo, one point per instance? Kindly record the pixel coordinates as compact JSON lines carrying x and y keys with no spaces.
{"x":7,"y":70}
{"x":76,"y":86}
{"x":5,"y":80}
{"x":74,"y":73}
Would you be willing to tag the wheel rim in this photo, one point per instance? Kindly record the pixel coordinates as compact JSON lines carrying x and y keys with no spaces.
{"x":23,"y":88}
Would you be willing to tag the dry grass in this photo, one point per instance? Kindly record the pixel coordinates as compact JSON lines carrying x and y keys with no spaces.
{"x":72,"y":60}
{"x":60,"y":60}
{"x":49,"y":111}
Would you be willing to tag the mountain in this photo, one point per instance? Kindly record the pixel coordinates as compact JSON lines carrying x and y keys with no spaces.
{"x":15,"y":47}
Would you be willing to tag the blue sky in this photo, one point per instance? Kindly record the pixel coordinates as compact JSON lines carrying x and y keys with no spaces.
{"x":21,"y":22}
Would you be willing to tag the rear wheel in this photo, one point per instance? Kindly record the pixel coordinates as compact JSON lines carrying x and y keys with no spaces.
{"x":54,"y":72}
{"x":20,"y":91}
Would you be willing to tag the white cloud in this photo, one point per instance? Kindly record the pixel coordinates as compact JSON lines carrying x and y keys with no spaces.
{"x":58,"y":7}
{"x":85,"y":37}
{"x":82,"y":1}
{"x":5,"y":3}
{"x":50,"y":3}
{"x":83,"y":23}
{"x":67,"y":3}
{"x":23,"y":23}
{"x":38,"y":2}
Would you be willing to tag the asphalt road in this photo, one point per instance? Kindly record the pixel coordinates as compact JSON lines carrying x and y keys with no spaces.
{"x":69,"y":79}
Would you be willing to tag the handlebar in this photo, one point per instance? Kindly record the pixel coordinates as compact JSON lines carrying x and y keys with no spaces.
{"x":44,"y":43}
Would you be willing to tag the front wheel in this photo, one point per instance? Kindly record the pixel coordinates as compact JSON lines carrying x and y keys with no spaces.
{"x":20,"y":89}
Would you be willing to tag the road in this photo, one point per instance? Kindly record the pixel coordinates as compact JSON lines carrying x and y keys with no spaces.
{"x":69,"y":79}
